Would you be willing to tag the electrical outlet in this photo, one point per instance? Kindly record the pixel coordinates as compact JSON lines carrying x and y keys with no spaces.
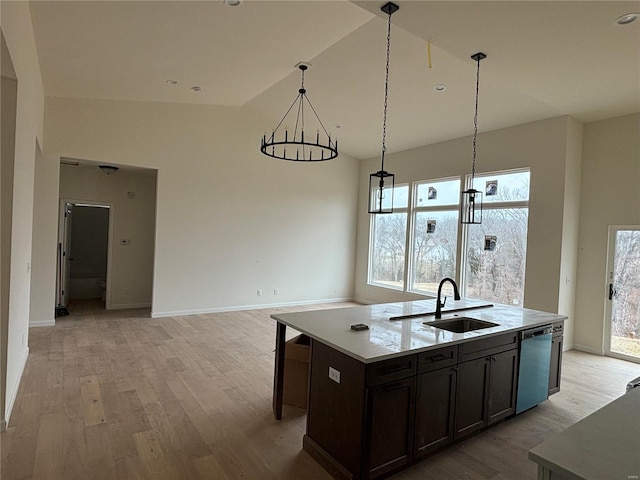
{"x":259,"y":292}
{"x":334,"y":374}
{"x":276,"y":291}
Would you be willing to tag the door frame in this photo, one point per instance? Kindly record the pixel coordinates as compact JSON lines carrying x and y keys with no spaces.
{"x":96,"y":203}
{"x":611,"y":248}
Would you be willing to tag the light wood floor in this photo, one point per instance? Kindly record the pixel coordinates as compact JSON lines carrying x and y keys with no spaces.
{"x":119,"y":395}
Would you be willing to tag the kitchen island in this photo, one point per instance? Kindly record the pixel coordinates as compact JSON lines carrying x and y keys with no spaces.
{"x":384,"y":397}
{"x":603,"y":446}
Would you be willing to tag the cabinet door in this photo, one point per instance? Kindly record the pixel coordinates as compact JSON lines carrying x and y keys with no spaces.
{"x":471,"y":397}
{"x":556,"y":364}
{"x":389,"y":426}
{"x":435,"y":401}
{"x":502,"y":385}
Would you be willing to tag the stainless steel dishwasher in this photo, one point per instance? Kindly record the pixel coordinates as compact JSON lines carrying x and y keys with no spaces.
{"x":535,"y":361}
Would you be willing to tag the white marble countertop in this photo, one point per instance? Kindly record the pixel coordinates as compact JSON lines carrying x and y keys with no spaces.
{"x":603,"y":446}
{"x":392,"y":338}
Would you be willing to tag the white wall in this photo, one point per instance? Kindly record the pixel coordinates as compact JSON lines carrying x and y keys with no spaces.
{"x":610,"y":196}
{"x":18,"y":33}
{"x":230,"y":220}
{"x":9,"y":87}
{"x":570,"y":228}
{"x":548,"y":147}
{"x":130,"y":266}
{"x":43,"y":255}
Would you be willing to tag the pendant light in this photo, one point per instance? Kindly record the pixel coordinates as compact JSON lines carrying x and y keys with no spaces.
{"x":471,"y":204}
{"x":313,"y":148}
{"x":381,"y":183}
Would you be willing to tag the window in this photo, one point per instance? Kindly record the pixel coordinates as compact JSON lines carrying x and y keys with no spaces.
{"x":496,"y":250}
{"x":388,"y":243}
{"x":421,"y":242}
{"x":434,"y":233}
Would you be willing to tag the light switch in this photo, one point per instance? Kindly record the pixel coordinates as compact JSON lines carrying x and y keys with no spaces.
{"x":334,"y":374}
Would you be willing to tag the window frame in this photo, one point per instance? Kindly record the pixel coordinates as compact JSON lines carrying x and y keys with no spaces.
{"x":411,"y":210}
{"x":411,"y":235}
{"x":464,"y":242}
{"x":373,"y":218}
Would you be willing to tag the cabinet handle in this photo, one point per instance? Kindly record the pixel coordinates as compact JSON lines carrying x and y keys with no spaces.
{"x":396,"y":368}
{"x":437,"y":358}
{"x":393,"y":386}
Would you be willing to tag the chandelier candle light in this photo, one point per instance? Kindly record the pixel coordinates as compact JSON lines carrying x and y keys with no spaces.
{"x":381,"y":183}
{"x":293,"y":145}
{"x":471,"y":205}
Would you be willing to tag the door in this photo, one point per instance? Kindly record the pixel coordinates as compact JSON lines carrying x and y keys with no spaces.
{"x":503,"y":380}
{"x":555,"y":367}
{"x":389,"y":423}
{"x":622,"y":313}
{"x":87,"y":240}
{"x":435,"y":403}
{"x":64,"y":253}
{"x":471,"y":396}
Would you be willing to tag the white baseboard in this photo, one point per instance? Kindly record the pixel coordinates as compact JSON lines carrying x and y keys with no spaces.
{"x":179,"y":313}
{"x":125,"y":306}
{"x":584,"y":348}
{"x":42,"y":323}
{"x":13,"y":393}
{"x":363,"y":301}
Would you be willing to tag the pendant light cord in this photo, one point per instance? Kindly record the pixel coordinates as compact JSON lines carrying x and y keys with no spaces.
{"x":386,"y":95}
{"x":475,"y":124}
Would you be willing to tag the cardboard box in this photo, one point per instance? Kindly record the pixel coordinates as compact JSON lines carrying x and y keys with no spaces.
{"x":297,"y":354}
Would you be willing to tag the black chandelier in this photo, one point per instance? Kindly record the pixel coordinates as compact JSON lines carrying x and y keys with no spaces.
{"x":293,"y":145}
{"x":471,"y":204}
{"x":381,"y":183}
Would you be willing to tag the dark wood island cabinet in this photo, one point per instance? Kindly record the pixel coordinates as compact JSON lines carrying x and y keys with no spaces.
{"x":370,"y":417}
{"x":407,"y":407}
{"x":556,"y":358}
{"x":487,"y":380}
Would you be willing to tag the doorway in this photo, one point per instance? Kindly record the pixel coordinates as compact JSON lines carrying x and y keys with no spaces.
{"x":83,"y":255}
{"x":622,"y":312}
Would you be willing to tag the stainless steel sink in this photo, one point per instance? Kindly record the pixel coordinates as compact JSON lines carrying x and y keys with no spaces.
{"x":461,"y":324}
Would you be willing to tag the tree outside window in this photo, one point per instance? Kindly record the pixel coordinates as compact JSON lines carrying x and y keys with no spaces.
{"x":420,"y":243}
{"x":496,"y":250}
{"x":434,"y":233}
{"x":388,"y":243}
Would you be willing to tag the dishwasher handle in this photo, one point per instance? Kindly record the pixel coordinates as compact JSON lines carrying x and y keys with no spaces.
{"x":536,"y":332}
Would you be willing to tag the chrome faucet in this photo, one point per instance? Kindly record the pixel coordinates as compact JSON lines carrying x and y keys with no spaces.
{"x":456,"y":295}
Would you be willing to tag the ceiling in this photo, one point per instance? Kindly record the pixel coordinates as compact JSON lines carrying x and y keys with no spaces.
{"x":544,"y":59}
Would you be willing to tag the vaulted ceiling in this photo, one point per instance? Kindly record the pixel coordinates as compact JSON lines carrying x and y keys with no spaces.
{"x":544,"y":59}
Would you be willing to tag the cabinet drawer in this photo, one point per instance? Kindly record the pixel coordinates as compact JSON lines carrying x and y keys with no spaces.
{"x":487,"y":346}
{"x":435,"y":359}
{"x":390,"y":370}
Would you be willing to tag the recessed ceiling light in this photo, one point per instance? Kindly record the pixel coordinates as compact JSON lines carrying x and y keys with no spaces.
{"x":627,"y":18}
{"x":196,"y":88}
{"x":439,"y":87}
{"x":172,"y":81}
{"x":232,"y":3}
